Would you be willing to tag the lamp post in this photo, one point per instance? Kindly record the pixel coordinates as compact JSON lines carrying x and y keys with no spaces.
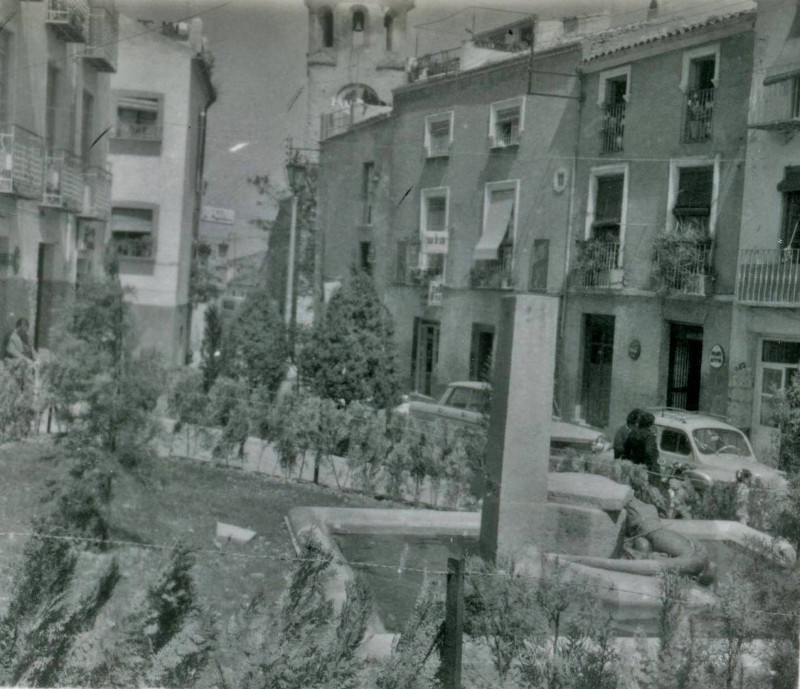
{"x":295,"y":174}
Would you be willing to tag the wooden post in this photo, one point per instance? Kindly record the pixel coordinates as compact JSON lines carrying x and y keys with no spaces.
{"x":450,"y":670}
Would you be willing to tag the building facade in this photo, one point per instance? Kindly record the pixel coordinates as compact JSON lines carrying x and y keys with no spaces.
{"x":157,"y":142}
{"x":55,"y":62}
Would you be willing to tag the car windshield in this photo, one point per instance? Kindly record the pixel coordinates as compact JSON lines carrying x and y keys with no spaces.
{"x":727,"y":441}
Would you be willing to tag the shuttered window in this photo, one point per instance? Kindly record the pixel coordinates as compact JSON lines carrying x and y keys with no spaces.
{"x":695,"y":189}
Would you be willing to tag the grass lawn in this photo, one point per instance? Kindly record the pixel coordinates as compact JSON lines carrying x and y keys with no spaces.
{"x":174,"y":498}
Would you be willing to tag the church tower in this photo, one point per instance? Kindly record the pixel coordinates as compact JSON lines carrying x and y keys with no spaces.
{"x":357,"y":53}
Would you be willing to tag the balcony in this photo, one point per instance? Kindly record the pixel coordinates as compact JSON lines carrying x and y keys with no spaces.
{"x":69,"y":19}
{"x":443,"y":63}
{"x":21,"y":162}
{"x":491,"y":275}
{"x":63,"y":182}
{"x":134,"y":247}
{"x":613,"y":128}
{"x":778,"y":107}
{"x":138,"y":131}
{"x":341,"y":120}
{"x":769,"y":277}
{"x":698,"y":116}
{"x":96,"y":193}
{"x":598,"y":265}
{"x":101,"y":48}
{"x":684,"y":267}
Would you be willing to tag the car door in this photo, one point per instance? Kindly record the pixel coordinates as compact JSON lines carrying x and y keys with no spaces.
{"x":455,"y":408}
{"x":674,"y":446}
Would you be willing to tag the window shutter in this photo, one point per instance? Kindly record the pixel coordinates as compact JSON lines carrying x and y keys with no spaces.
{"x":608,"y":205}
{"x":695,"y":187}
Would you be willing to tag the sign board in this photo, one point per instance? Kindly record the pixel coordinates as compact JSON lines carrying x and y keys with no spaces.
{"x":716,"y":357}
{"x":222,"y":216}
{"x":435,"y":293}
{"x":435,"y":242}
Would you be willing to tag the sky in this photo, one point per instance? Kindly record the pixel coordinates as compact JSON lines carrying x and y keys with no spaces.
{"x":260,"y":47}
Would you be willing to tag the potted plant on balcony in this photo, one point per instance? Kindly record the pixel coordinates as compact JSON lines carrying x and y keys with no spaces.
{"x":490,"y":275}
{"x":597,"y":263}
{"x":681,"y":261}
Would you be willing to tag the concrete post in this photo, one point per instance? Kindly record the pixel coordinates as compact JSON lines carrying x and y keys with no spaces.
{"x":518,"y":449}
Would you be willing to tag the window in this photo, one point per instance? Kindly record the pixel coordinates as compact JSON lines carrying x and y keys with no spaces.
{"x":539,"y":265}
{"x":359,"y":20}
{"x":780,"y":365}
{"x":388,"y":25}
{"x":368,"y":181}
{"x":608,"y":208}
{"x":794,"y":112}
{"x":132,"y":232}
{"x":605,"y":214}
{"x":139,"y":116}
{"x":222,"y":250}
{"x":675,"y":441}
{"x":434,"y":219}
{"x":326,"y":26}
{"x":506,"y":122}
{"x":87,"y":133}
{"x":698,"y":81}
{"x":51,"y":116}
{"x":359,"y":25}
{"x":436,"y":214}
{"x":358,"y":93}
{"x":613,"y":99}
{"x":499,"y":224}
{"x":790,"y":188}
{"x":692,"y":196}
{"x":438,"y":134}
{"x":459,"y":398}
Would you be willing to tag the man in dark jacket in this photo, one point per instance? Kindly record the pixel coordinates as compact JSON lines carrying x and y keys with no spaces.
{"x":622,"y":434}
{"x":641,"y":446}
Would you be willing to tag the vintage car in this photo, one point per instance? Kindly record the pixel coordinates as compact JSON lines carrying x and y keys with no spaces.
{"x":712,"y":449}
{"x":466,"y":403}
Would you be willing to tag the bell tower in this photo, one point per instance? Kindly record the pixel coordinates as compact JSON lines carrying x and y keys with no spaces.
{"x":357,"y":53}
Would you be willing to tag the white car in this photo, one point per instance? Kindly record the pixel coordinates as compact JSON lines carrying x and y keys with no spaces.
{"x":466,"y":403}
{"x":713,"y":449}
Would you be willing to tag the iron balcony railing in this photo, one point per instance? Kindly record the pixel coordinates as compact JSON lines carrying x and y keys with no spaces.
{"x":63,"y":181}
{"x":439,"y":145}
{"x":101,"y":48}
{"x":97,"y":192}
{"x":769,"y":277}
{"x":507,"y":136}
{"x":687,"y":275}
{"x":133,"y":247}
{"x":69,"y":18}
{"x":599,"y":264}
{"x":138,"y":131}
{"x":435,"y":64}
{"x":699,"y":115}
{"x":777,"y":106}
{"x":613,"y":128}
{"x":491,"y":275}
{"x":21,"y":161}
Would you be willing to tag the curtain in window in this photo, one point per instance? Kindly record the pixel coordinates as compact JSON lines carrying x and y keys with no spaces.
{"x":499,"y":218}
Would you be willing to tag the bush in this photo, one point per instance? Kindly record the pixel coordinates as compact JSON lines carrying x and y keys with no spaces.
{"x":228,"y":408}
{"x":211,"y":351}
{"x":351,"y":356}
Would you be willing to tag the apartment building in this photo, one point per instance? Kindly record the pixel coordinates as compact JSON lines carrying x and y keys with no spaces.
{"x":56,"y":57}
{"x":658,"y":197}
{"x":159,"y":99}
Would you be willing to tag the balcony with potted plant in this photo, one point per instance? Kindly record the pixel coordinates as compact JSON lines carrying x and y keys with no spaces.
{"x":682,"y":263}
{"x":598,"y":263}
{"x":491,"y":275}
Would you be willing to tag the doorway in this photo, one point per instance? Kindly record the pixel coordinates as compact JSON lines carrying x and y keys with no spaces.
{"x":598,"y":356}
{"x":480,"y":358}
{"x":426,"y":355}
{"x":685,"y":360}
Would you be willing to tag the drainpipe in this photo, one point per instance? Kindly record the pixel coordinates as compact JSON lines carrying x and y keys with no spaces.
{"x":562,"y":313}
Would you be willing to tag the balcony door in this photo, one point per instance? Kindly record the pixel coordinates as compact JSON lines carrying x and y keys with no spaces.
{"x":598,"y":356}
{"x":425,"y":355}
{"x":685,"y":360}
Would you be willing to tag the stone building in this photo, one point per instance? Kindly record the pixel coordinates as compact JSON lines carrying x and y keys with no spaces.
{"x":55,"y":62}
{"x":161,"y":93}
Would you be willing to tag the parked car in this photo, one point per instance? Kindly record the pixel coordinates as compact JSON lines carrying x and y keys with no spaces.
{"x":466,"y":403}
{"x":713,"y":449}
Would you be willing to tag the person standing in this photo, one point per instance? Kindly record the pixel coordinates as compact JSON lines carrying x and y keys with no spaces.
{"x":624,"y":432}
{"x":641,"y":446}
{"x":19,"y":344}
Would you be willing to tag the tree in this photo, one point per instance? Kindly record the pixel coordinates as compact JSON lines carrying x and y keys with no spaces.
{"x":211,"y":346}
{"x":351,"y":355}
{"x":257,"y":350}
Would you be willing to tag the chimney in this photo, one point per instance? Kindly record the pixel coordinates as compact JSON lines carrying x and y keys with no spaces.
{"x":652,"y":11}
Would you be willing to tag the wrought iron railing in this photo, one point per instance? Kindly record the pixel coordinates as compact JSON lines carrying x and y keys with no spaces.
{"x":439,"y":145}
{"x":613,"y":129}
{"x":133,"y":247}
{"x":21,"y":161}
{"x":97,"y":192}
{"x":491,"y":275}
{"x":598,"y":264}
{"x":101,"y":48}
{"x":699,"y":115}
{"x":435,"y":64}
{"x":507,"y":136}
{"x":687,"y":273}
{"x":138,"y":131}
{"x":63,"y":181}
{"x":777,"y":106}
{"x":70,"y":19}
{"x":769,"y":276}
